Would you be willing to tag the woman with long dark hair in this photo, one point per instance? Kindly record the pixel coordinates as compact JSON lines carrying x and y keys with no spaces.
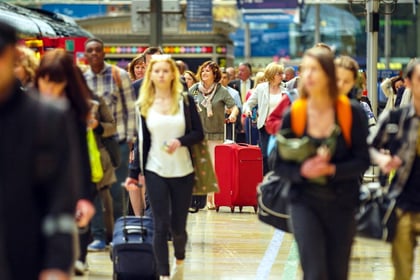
{"x":325,"y":187}
{"x":59,"y":80}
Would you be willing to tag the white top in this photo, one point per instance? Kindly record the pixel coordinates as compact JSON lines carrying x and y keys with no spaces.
{"x":260,"y":96}
{"x":274,"y":101}
{"x":162,"y":129}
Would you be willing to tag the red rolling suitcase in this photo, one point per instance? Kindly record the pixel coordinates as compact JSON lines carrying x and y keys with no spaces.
{"x":239,"y":170}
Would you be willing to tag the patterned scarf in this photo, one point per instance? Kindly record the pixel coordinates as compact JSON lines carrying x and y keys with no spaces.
{"x":208,"y":95}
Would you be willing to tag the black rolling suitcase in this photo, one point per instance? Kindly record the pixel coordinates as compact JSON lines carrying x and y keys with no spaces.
{"x":132,"y":250}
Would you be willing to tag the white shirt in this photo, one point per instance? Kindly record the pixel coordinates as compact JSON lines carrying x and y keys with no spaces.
{"x":274,"y":101}
{"x":163,"y":128}
{"x":235,"y":95}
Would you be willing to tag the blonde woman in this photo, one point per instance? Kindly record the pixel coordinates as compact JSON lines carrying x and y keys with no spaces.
{"x":266,"y":95}
{"x":163,"y":158}
{"x":251,"y":131}
{"x":26,"y":66}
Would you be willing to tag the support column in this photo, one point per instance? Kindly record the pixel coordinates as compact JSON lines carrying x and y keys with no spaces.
{"x":372,"y":8}
{"x":247,"y":41}
{"x":387,"y":43}
{"x":155,"y":23}
{"x":317,"y":36}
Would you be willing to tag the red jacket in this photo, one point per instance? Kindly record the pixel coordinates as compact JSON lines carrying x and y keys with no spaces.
{"x":275,"y":119}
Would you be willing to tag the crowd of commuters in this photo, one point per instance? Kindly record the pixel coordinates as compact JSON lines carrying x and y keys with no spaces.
{"x":155,"y":111}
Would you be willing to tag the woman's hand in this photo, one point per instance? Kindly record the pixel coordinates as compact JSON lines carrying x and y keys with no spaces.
{"x":172,"y":145}
{"x":131,"y":184}
{"x":232,"y":118}
{"x":84,"y":212}
{"x":316,"y":166}
{"x":92,"y":122}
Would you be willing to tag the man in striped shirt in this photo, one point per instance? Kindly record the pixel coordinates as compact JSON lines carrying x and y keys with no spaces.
{"x":114,"y":85}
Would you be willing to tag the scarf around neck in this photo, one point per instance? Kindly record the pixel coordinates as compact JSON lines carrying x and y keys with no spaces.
{"x":208,"y":95}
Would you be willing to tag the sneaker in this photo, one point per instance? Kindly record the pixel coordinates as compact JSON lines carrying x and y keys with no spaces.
{"x":97,"y":245}
{"x":80,"y":268}
{"x":177,"y":272}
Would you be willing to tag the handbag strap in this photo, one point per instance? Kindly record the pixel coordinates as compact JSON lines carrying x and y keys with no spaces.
{"x":187,"y":111}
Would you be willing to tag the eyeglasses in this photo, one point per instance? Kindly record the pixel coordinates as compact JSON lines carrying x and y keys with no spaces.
{"x":279,"y":73}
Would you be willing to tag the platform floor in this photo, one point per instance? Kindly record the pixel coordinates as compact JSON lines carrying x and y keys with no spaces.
{"x":235,"y":246}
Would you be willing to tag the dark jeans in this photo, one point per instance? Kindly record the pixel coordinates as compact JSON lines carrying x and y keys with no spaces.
{"x":324,"y":232}
{"x":104,"y":217}
{"x":121,"y":172}
{"x":170,"y":199}
{"x":264,"y":136}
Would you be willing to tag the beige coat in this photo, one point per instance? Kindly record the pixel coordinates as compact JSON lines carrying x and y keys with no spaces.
{"x":105,"y":118}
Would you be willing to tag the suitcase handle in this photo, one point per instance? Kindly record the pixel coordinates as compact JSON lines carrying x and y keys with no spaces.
{"x":226,"y":123}
{"x":131,"y":229}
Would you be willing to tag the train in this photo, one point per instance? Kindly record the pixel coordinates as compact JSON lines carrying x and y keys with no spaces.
{"x":42,"y":30}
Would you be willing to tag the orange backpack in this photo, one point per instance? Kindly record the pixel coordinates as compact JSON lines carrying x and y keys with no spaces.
{"x":343,"y":111}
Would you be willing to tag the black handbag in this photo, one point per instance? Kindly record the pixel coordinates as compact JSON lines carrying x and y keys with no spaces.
{"x":376,"y":217}
{"x":113,"y":148}
{"x":273,"y":202}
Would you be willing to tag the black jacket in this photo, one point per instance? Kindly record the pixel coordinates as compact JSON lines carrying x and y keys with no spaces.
{"x":39,"y":179}
{"x":236,"y":84}
{"x":350,"y":162}
{"x":190,"y":138}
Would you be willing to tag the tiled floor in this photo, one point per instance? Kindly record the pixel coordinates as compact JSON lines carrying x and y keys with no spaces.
{"x":229,"y":246}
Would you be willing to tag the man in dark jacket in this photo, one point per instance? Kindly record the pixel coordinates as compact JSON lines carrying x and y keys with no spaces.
{"x":244,"y":83}
{"x":39,"y":175}
{"x":398,"y":131}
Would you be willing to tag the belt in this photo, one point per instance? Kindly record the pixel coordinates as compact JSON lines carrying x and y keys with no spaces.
{"x":123,"y":141}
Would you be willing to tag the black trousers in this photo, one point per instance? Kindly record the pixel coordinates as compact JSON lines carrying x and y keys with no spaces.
{"x":264,"y":136}
{"x":170,"y":199}
{"x":324,"y":232}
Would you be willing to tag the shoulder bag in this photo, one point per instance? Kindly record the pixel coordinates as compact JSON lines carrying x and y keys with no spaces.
{"x":273,"y":202}
{"x":97,"y":172}
{"x":205,"y":178}
{"x":376,"y":217}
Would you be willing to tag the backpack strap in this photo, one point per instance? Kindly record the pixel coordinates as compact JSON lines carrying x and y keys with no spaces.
{"x":344,"y":117}
{"x":343,"y":108}
{"x":298,"y":116}
{"x":116,"y":76}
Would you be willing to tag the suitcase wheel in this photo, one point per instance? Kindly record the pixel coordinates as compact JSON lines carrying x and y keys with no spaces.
{"x":217,"y":208}
{"x":240,"y":209}
{"x":256,"y":209}
{"x":232,"y":209}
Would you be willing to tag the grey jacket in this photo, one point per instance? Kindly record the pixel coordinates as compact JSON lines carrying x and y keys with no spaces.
{"x":397,"y":131}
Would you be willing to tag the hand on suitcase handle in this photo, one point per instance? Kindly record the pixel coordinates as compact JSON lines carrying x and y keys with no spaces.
{"x":231,"y":119}
{"x":131,"y":184}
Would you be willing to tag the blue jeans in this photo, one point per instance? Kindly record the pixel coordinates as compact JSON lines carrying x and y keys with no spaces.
{"x":97,"y":225}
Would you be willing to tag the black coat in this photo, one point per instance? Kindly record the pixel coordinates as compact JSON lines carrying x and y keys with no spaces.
{"x":39,"y":179}
{"x":236,"y":84}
